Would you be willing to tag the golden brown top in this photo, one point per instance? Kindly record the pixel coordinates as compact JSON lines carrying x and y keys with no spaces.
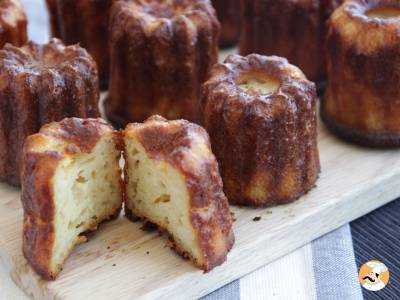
{"x":69,"y":136}
{"x":172,"y":141}
{"x":52,"y":57}
{"x":11,"y":11}
{"x":156,"y":13}
{"x":255,"y":78}
{"x":368,"y":25}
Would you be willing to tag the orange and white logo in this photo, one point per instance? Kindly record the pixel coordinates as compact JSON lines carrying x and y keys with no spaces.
{"x":374,"y":275}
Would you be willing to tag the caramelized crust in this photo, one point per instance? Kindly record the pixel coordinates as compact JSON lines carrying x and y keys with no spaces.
{"x":42,"y":154}
{"x":228,"y":12}
{"x":40,"y":84}
{"x":174,"y":142}
{"x":161,"y":52}
{"x":54,"y":25}
{"x":362,"y":101}
{"x":84,"y":22}
{"x":265,"y":142}
{"x":12,"y":23}
{"x":294,"y":29}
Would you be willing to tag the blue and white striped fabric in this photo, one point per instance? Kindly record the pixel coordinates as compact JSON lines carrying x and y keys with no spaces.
{"x":324,"y":269}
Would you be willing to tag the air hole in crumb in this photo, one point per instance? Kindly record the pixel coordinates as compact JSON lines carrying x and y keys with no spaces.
{"x":79,"y":225}
{"x":93,"y":174}
{"x":255,"y":82}
{"x":164,"y":198}
{"x":81,"y":179}
{"x":163,"y":185}
{"x":256,"y":219}
{"x":135,"y":151}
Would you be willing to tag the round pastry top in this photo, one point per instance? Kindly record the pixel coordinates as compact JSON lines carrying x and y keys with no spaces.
{"x":369,"y":25}
{"x":155,"y":12}
{"x":11,"y":11}
{"x":262,"y":78}
{"x":35,"y":58}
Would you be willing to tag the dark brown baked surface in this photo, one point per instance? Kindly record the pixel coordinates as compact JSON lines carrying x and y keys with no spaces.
{"x":69,"y":137}
{"x":86,"y":23}
{"x":362,"y":100}
{"x":161,"y":53}
{"x":54,"y":25}
{"x":172,"y":141}
{"x":294,"y":29}
{"x":266,"y":144}
{"x":13,"y":23}
{"x":228,"y":12}
{"x":41,"y":84}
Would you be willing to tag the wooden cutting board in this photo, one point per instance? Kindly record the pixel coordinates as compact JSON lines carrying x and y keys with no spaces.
{"x":121,"y":261}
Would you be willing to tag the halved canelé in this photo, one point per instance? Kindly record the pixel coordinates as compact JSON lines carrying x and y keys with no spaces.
{"x":172,"y":180}
{"x":71,"y":182}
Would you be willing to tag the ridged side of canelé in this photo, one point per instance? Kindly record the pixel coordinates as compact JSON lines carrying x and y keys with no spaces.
{"x":34,"y":92}
{"x":266,"y":145}
{"x":362,"y":100}
{"x":228,"y":12}
{"x":13,"y":23}
{"x":210,"y":217}
{"x":52,"y":10}
{"x":43,"y":153}
{"x":288,"y":28}
{"x":159,"y":63}
{"x":84,"y":22}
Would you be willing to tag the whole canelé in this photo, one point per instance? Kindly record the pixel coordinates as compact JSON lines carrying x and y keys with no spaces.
{"x":86,"y":23}
{"x":41,"y":84}
{"x":294,"y":29}
{"x":13,"y":23}
{"x":161,"y":53}
{"x":260,"y":113}
{"x":362,"y":100}
{"x":228,"y":12}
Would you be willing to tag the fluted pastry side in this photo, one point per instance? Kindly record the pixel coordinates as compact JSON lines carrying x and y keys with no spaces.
{"x":40,"y":84}
{"x":160,"y":56}
{"x":294,"y":29}
{"x":228,"y":12}
{"x":86,"y":23}
{"x":13,"y":23}
{"x":260,"y":113}
{"x":362,"y":101}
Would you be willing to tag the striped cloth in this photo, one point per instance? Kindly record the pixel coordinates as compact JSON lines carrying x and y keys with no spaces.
{"x":324,"y":269}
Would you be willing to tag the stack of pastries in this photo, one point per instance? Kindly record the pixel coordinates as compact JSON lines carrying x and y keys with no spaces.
{"x":259,"y":143}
